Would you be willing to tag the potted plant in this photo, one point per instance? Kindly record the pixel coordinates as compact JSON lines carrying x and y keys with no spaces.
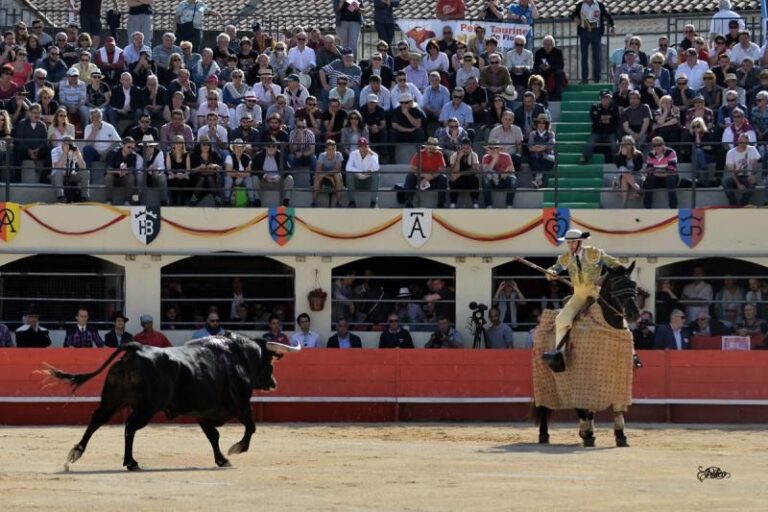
{"x":316,"y":299}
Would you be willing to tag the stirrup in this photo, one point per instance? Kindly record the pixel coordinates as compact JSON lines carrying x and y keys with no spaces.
{"x":555,"y":360}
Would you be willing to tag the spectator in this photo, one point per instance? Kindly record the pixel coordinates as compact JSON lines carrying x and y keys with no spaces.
{"x":304,"y":337}
{"x":476,"y":43}
{"x":343,"y":338}
{"x":250,"y":108}
{"x":212,"y":326}
{"x":69,"y":169}
{"x":748,"y":76}
{"x":738,"y":127}
{"x":395,"y":336}
{"x":745,"y":48}
{"x":723,"y":68}
{"x":449,"y":44}
{"x":415,"y":73}
{"x":494,"y":77}
{"x":723,"y":17}
{"x":464,"y":170}
{"x":751,"y":325}
{"x":349,"y":25}
{"x":6,"y":337}
{"x":636,"y":119}
{"x":508,"y":297}
{"x":704,"y":325}
{"x":592,"y":17}
{"x":499,"y":172}
{"x":662,"y":76}
{"x":374,"y":118}
{"x":126,"y":102}
{"x":632,"y":68}
{"x":499,"y":335}
{"x":39,"y":82}
{"x":548,"y":62}
{"x":731,"y":84}
{"x":520,"y":63}
{"x":275,"y":333}
{"x":700,"y":139}
{"x":692,"y":68}
{"x":73,"y":94}
{"x":643,"y":334}
{"x":363,"y":170}
{"x":329,"y":166}
{"x":440,"y":301}
{"x":32,"y":334}
{"x":436,"y":60}
{"x":272,"y":172}
{"x":435,"y":97}
{"x":617,"y":57}
{"x":154,"y":168}
{"x":689,"y":34}
{"x":730,"y":294}
{"x":541,"y":149}
{"x":408,"y":121}
{"x":118,"y":335}
{"x":650,"y":94}
{"x":666,"y":300}
{"x":206,"y":164}
{"x":189,"y":17}
{"x":53,"y":67}
{"x":510,"y":136}
{"x":673,"y":336}
{"x":536,"y":86}
{"x":31,"y":137}
{"x":743,"y":163}
{"x":334,"y":120}
{"x":238,"y":176}
{"x":524,"y":12}
{"x":666,"y":123}
{"x":445,"y":336}
{"x":477,"y":99}
{"x":697,"y":295}
{"x":661,"y":170}
{"x":100,"y":138}
{"x":82,"y":335}
{"x":605,"y":123}
{"x":132,"y":52}
{"x":427,"y":171}
{"x":629,"y":163}
{"x":751,"y":93}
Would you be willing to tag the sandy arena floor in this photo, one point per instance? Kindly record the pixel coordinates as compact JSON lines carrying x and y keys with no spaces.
{"x":421,"y":467}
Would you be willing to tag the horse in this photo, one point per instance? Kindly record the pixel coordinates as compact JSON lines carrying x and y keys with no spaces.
{"x":617,"y":302}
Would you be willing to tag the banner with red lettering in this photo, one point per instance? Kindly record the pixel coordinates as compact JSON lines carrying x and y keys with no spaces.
{"x":418,"y":32}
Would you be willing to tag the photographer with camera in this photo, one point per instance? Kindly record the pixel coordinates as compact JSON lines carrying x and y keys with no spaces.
{"x":445,"y":336}
{"x":643,"y":334}
{"x":69,"y":169}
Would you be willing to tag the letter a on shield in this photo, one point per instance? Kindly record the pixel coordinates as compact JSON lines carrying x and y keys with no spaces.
{"x":417,"y":226}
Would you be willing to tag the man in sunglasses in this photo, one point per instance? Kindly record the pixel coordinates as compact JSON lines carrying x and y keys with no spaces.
{"x":212,"y":327}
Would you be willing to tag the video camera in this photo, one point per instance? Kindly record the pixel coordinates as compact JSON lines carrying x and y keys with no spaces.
{"x":478,"y":312}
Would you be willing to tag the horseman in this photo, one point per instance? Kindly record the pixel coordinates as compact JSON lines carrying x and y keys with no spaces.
{"x":584,"y":264}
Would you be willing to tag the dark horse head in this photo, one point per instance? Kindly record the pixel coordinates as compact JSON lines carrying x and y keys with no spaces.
{"x":619,"y":294}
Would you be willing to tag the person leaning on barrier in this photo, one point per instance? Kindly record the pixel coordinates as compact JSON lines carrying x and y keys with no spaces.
{"x":661,"y":171}
{"x":363,"y":171}
{"x":69,"y":169}
{"x":343,"y":337}
{"x":445,"y":336}
{"x":464,"y":170}
{"x":743,"y":165}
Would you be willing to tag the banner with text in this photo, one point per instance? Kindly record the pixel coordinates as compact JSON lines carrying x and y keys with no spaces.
{"x":418,"y":32}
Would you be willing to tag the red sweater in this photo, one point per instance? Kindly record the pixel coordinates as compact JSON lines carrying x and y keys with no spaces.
{"x":153,"y":339}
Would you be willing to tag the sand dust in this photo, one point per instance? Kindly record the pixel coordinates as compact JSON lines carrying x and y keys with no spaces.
{"x":390,"y":467}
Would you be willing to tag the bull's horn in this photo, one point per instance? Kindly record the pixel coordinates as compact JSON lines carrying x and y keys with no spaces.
{"x":280,"y":348}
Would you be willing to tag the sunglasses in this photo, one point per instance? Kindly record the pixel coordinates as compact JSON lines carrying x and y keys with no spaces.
{"x":658,"y":145}
{"x":738,"y":116}
{"x":394,"y":321}
{"x":519,"y":45}
{"x":467,"y":59}
{"x":458,"y":97}
{"x":311,"y":103}
{"x":213,"y":321}
{"x":401,"y":48}
{"x":494,"y":62}
{"x":453,"y":126}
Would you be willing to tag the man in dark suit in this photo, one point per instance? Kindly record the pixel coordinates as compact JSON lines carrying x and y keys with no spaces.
{"x":704,"y":325}
{"x":343,"y":338}
{"x":39,"y":80}
{"x":118,"y":335}
{"x":31,"y":137}
{"x":526,"y":114}
{"x":673,"y":336}
{"x":126,"y":101}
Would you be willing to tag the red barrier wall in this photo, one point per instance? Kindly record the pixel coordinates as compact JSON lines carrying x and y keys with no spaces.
{"x":388,"y":385}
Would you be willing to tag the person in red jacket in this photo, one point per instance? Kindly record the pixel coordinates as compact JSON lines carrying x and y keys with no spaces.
{"x":149,"y":336}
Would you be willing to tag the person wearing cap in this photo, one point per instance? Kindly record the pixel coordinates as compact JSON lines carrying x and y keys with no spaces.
{"x":732,"y":84}
{"x":214,"y":105}
{"x":374,"y":118}
{"x":118,"y":336}
{"x":363,"y":171}
{"x":265,"y":90}
{"x":73,"y":94}
{"x":295,"y":92}
{"x":161,"y":54}
{"x":237,"y":165}
{"x":605,"y":124}
{"x":427,"y":173}
{"x":154,"y":170}
{"x":189,"y":17}
{"x":630,"y":67}
{"x":97,"y":92}
{"x":251,"y":107}
{"x":69,"y":168}
{"x":274,"y":129}
{"x":584,"y":265}
{"x":149,"y":336}
{"x":692,"y":68}
{"x":32,"y":334}
{"x":408,"y":121}
{"x":132,"y":51}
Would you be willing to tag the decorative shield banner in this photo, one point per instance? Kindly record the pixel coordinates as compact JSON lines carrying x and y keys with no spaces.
{"x":556,"y":222}
{"x":690,"y":225}
{"x":145,"y":223}
{"x":281,"y":224}
{"x":10,"y":221}
{"x":417,"y":226}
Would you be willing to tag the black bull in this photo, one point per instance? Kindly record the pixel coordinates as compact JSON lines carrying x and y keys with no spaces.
{"x":212,"y":379}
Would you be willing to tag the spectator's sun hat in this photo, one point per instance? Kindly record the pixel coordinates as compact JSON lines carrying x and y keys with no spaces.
{"x":149,"y":140}
{"x":698,"y":97}
{"x":146,"y":319}
{"x":509,"y":93}
{"x":73,"y":72}
{"x":250,"y":95}
{"x":405,"y":98}
{"x":375,"y":99}
{"x":244,"y":40}
{"x":494,"y":143}
{"x":237,"y":142}
{"x":433,"y":143}
{"x":574,"y":234}
{"x":212,"y":78}
{"x":265,"y":72}
{"x":293,"y":77}
{"x":403,"y":293}
{"x":764,"y":73}
{"x":731,"y":76}
{"x":96,"y":73}
{"x":543,"y":118}
{"x":681,"y":77}
{"x":119,"y":314}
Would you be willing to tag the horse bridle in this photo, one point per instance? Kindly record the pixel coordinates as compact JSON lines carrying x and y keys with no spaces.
{"x":629,"y":291}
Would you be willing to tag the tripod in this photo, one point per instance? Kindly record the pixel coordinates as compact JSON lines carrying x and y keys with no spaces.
{"x":478,"y":334}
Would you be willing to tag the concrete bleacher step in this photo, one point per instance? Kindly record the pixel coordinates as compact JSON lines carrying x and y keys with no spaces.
{"x":571,"y":127}
{"x":574,"y":116}
{"x":580,"y":137}
{"x":574,"y":158}
{"x":572,"y":205}
{"x":572,"y":196}
{"x":575,"y":86}
{"x":593,"y":170}
{"x":573,"y":182}
{"x":704,"y":197}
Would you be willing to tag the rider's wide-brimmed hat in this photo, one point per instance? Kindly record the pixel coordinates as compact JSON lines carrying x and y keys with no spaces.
{"x":574,"y":234}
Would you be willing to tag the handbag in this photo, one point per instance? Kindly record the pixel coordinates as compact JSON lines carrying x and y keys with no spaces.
{"x":185,"y":31}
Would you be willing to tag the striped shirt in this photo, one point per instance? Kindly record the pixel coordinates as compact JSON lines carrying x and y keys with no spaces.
{"x":83,"y":338}
{"x":666,"y":163}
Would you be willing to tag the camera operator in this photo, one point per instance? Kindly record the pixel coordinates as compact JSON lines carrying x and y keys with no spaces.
{"x":69,"y":168}
{"x":445,"y":336}
{"x":643,"y":334}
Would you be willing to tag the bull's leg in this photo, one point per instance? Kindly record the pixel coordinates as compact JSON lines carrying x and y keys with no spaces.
{"x":246,"y":418}
{"x":618,"y":429}
{"x":586,"y":427}
{"x":137,"y":420}
{"x":542,"y":418}
{"x":213,"y":437}
{"x":99,"y":417}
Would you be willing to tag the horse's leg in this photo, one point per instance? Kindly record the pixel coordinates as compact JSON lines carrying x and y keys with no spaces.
{"x":586,"y":427}
{"x":618,"y":429}
{"x":542,"y":418}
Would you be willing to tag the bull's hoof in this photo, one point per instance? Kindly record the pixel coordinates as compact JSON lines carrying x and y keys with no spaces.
{"x":621,"y":442}
{"x":132,"y":466}
{"x":235,"y":449}
{"x":223,"y":463}
{"x":74,"y":454}
{"x":589,"y":441}
{"x":543,"y":438}
{"x":555,"y":361}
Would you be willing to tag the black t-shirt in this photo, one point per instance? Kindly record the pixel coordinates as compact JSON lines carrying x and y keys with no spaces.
{"x":116,"y":158}
{"x":338,"y":122}
{"x":399,"y":118}
{"x":346,"y":15}
{"x":480,"y":95}
{"x":373,"y":118}
{"x":140,"y":9}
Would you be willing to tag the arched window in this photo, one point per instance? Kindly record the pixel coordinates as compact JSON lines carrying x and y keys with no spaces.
{"x":366,"y":291}
{"x":244,"y":290}
{"x":522,"y":293}
{"x":59,"y":285}
{"x":718,"y":286}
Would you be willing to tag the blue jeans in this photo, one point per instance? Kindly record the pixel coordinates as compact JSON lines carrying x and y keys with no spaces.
{"x":509,"y":184}
{"x":586,"y":40}
{"x":90,"y":155}
{"x":310,"y":161}
{"x":703,"y":159}
{"x":731,"y":190}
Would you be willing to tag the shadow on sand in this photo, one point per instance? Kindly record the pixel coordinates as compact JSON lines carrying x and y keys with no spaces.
{"x":123,"y":471}
{"x":552,"y":449}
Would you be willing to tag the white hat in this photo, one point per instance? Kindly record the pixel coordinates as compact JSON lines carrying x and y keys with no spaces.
{"x":403,"y":292}
{"x":574,"y":234}
{"x":73,"y":72}
{"x":405,"y":97}
{"x":149,"y":140}
{"x":509,"y":93}
{"x":373,"y":98}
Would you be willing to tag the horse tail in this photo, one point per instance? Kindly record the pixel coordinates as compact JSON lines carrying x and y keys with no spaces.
{"x":78,"y":379}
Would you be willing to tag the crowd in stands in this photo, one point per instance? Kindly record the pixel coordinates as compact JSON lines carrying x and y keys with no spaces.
{"x":703,"y":100}
{"x":240,"y":116}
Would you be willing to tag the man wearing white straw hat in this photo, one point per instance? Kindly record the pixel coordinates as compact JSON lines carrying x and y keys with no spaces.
{"x":584,"y":264}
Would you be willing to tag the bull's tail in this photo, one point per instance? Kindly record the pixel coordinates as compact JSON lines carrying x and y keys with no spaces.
{"x":78,"y":379}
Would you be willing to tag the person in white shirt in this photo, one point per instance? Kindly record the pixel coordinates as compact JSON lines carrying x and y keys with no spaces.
{"x":155,"y":168}
{"x":69,"y":166}
{"x":266,"y":92}
{"x":720,"y":19}
{"x":305,"y":337}
{"x":698,"y":295}
{"x":374,"y":87}
{"x":520,"y":62}
{"x":693,"y":69}
{"x":99,"y":137}
{"x":301,"y":59}
{"x":344,"y":94}
{"x":132,"y":52}
{"x":212,"y":104}
{"x":217,"y":134}
{"x":363,"y":170}
{"x":250,"y":106}
{"x":745,"y":48}
{"x":402,"y":87}
{"x":743,"y":164}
